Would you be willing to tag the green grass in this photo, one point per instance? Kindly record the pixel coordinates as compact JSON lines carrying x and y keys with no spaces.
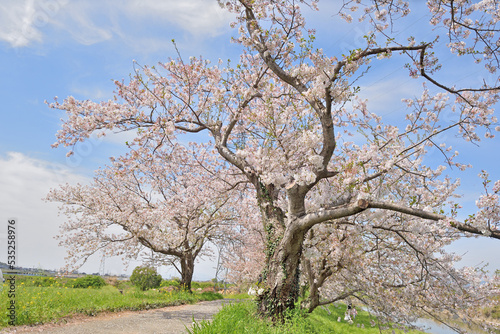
{"x":201,"y":285}
{"x":367,"y":322}
{"x":238,"y":296}
{"x":48,"y":303}
{"x":242,"y":318}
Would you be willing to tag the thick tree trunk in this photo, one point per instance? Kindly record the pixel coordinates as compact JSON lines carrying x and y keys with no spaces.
{"x":187,"y":270}
{"x":284,"y":249}
{"x":284,"y":241}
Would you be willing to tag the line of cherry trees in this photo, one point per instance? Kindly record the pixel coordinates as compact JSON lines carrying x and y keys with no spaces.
{"x":303,"y":184}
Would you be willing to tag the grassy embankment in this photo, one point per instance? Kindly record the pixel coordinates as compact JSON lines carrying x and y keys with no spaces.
{"x":41,"y":300}
{"x":45,"y":299}
{"x":242,"y":318}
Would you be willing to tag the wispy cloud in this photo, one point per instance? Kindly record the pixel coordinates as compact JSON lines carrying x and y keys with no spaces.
{"x":198,"y":17}
{"x":24,"y":22}
{"x":20,"y":23}
{"x":87,"y":22}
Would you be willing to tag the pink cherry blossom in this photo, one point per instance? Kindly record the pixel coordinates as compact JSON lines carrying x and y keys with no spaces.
{"x":165,"y":202}
{"x":335,"y":184}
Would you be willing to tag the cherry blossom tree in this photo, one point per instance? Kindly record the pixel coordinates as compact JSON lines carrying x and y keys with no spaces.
{"x":396,"y":266}
{"x":244,"y":254}
{"x":168,"y":202}
{"x":289,"y":117}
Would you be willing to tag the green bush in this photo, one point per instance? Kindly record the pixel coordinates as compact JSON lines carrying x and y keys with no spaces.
{"x":89,"y":281}
{"x":171,"y":282}
{"x":70,"y":283}
{"x":145,"y":278}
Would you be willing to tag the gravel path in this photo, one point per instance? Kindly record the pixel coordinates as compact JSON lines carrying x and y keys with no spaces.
{"x":168,"y":320}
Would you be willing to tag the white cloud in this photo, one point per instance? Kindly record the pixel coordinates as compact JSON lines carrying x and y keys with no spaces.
{"x":84,"y":21}
{"x":198,"y":17}
{"x":18,"y":25}
{"x":24,"y":181}
{"x":88,"y":22}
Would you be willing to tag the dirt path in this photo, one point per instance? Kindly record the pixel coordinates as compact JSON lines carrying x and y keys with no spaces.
{"x":166,"y":320}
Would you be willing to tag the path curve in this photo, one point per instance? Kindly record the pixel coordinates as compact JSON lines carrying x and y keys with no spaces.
{"x":167,"y":320}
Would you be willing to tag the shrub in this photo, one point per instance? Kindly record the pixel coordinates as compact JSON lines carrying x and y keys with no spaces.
{"x":145,"y":278}
{"x":172,"y":282}
{"x":69,"y":283}
{"x":89,"y":281}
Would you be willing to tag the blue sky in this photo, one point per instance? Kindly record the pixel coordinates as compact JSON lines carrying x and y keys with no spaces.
{"x":59,"y":48}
